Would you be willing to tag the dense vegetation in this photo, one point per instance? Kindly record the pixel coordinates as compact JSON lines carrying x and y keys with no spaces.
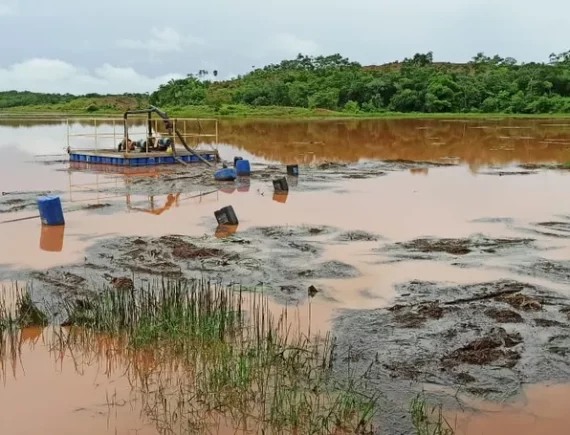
{"x":484,"y":85}
{"x":69,"y":102}
{"x":333,"y":83}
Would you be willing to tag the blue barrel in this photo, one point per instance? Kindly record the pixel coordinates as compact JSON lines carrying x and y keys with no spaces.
{"x":51,"y":212}
{"x":243,"y":168}
{"x":226,"y":174}
{"x":293,"y":170}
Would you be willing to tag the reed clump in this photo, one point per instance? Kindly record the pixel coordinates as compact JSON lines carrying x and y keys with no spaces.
{"x":204,"y":356}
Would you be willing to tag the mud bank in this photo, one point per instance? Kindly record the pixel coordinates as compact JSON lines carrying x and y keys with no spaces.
{"x":554,"y":270}
{"x":284,"y":262}
{"x":544,"y":166}
{"x":467,"y":252}
{"x":311,"y":177}
{"x":483,"y":339}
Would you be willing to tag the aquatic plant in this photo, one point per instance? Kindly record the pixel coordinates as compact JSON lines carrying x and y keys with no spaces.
{"x":199,"y":353}
{"x":428,"y":420}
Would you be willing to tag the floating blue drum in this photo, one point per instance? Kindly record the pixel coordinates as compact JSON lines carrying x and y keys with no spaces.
{"x":243,"y":168}
{"x":226,"y":174}
{"x":293,"y":170}
{"x":51,"y":211}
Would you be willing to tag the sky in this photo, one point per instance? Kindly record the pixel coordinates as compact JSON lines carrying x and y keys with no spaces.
{"x":117,"y":46}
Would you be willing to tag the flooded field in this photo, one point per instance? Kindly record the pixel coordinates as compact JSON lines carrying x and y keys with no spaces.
{"x":419,"y":257}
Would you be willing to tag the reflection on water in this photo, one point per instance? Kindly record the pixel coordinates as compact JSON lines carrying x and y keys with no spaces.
{"x":544,"y":410}
{"x":474,"y":142}
{"x":225,"y":231}
{"x":51,"y":238}
{"x":50,"y":387}
{"x":280,"y":197}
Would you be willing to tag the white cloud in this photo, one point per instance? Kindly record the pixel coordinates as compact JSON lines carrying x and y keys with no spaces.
{"x":161,"y":41}
{"x":292,"y":45}
{"x":7,"y":10}
{"x":56,"y":76}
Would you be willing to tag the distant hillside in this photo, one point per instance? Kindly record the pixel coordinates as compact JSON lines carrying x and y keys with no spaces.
{"x":415,"y":85}
{"x":310,"y":85}
{"x":93,"y":103}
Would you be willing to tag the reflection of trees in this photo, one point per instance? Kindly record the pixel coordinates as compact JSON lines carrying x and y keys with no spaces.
{"x":475,"y":142}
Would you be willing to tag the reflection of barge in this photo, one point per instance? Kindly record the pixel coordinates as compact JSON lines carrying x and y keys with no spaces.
{"x":161,"y":142}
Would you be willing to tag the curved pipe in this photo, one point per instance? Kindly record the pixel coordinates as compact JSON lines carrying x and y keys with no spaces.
{"x":169,"y":128}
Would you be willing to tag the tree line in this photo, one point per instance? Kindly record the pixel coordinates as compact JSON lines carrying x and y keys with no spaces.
{"x":11,"y":99}
{"x":417,"y":84}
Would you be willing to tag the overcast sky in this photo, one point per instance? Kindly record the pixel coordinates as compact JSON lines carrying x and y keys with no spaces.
{"x":118,"y":46}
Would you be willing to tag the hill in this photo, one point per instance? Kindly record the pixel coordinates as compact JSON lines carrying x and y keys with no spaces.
{"x":331,"y":85}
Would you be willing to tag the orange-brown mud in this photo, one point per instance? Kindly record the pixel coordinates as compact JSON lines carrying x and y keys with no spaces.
{"x":385,"y":214}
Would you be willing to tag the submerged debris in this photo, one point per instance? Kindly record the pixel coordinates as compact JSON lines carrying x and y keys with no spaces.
{"x":312,"y":291}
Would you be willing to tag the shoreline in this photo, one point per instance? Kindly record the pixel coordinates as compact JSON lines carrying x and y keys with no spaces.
{"x":279,"y":113}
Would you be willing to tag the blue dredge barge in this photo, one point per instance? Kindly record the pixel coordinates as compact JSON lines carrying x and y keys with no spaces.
{"x":158,"y":143}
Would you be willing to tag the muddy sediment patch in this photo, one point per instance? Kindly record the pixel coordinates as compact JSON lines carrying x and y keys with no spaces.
{"x":357,"y":236}
{"x":507,"y":173}
{"x":285,"y":261}
{"x":553,"y":270}
{"x":411,"y":164}
{"x":492,"y":347}
{"x":430,"y":248}
{"x":544,"y":166}
{"x":554,"y":225}
{"x":503,"y":315}
{"x":474,"y":338}
{"x":494,"y":220}
{"x":183,"y":249}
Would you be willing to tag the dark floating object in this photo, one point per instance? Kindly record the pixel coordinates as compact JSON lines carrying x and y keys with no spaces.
{"x":313,"y":291}
{"x":280,"y":185}
{"x":236,"y":159}
{"x":293,"y":170}
{"x":226,"y":216}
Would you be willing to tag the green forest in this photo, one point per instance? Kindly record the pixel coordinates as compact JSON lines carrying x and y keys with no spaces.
{"x":333,"y":83}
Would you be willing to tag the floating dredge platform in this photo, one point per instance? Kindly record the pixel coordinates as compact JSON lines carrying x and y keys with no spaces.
{"x":119,"y":158}
{"x":163,"y":141}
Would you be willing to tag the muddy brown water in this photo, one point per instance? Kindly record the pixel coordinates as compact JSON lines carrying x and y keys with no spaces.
{"x":408,"y":185}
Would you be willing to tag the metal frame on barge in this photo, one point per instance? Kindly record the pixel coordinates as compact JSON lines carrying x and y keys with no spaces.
{"x":158,"y":144}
